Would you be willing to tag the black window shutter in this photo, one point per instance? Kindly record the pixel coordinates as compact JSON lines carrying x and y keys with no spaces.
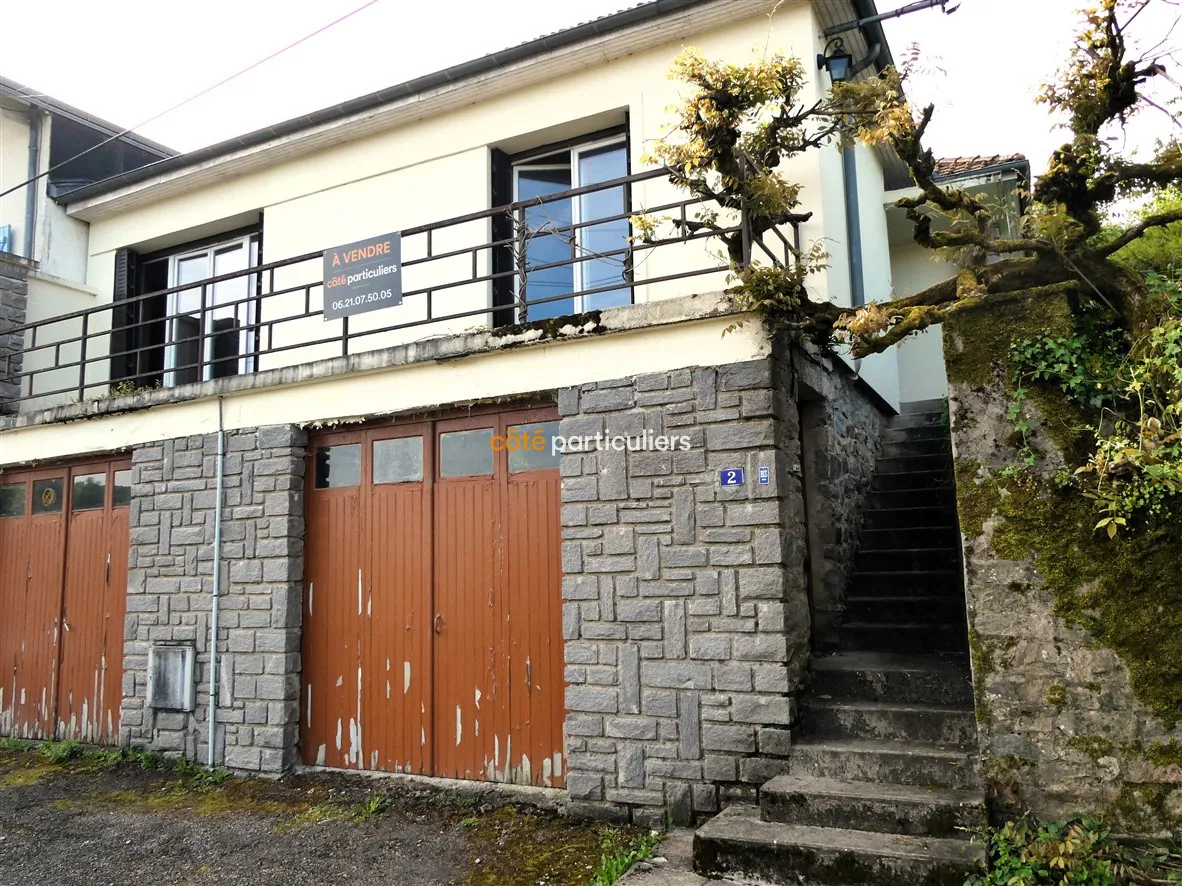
{"x":124,"y":332}
{"x":502,"y":229}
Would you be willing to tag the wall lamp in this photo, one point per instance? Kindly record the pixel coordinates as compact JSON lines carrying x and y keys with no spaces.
{"x":836,"y":60}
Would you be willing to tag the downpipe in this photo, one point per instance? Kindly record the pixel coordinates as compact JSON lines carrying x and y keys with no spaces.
{"x":214,"y":681}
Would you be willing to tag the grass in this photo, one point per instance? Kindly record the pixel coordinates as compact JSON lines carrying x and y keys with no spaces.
{"x":620,"y":853}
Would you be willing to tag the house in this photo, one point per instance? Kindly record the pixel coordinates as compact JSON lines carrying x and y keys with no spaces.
{"x":59,"y":147}
{"x":381,"y":445}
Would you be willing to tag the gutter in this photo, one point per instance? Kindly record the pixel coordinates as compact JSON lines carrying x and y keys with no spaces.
{"x":32,"y":191}
{"x":465,"y":71}
{"x":1020,"y":166}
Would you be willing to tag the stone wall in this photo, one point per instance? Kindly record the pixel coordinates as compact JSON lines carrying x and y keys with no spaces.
{"x":14,"y":301}
{"x":171,"y":579}
{"x":686,"y":618}
{"x":841,"y":434}
{"x":1059,"y":725}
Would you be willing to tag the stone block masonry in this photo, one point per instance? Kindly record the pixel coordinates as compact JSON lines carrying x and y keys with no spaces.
{"x":685,"y":612}
{"x":14,"y":302}
{"x":170,"y":583}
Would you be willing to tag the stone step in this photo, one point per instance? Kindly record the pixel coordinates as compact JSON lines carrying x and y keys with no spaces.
{"x":902,"y":435}
{"x":864,"y":806}
{"x":943,"y":497}
{"x":940,"y":479}
{"x":908,"y":559}
{"x":922,"y":446}
{"x":911,"y":609}
{"x":919,"y":420}
{"x":916,"y":582}
{"x":913,"y":637}
{"x":911,"y":463}
{"x":938,"y":405}
{"x":939,"y":535}
{"x":884,"y":762}
{"x":736,"y":843}
{"x":888,"y":721}
{"x":893,"y":677}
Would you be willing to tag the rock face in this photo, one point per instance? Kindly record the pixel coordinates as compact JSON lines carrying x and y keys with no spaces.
{"x":1061,"y":727}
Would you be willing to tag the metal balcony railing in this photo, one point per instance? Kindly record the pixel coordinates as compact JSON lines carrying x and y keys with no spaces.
{"x":481,"y":269}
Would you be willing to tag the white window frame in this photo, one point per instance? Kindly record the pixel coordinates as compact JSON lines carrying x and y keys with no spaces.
{"x":246,"y":362}
{"x":575,"y":151}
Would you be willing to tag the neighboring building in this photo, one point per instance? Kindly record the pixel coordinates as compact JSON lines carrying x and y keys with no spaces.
{"x":396,"y":590}
{"x":43,"y":251}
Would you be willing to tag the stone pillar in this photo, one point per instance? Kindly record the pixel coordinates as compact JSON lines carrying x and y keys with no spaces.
{"x":169,"y":592}
{"x":14,"y":302}
{"x":685,"y":617}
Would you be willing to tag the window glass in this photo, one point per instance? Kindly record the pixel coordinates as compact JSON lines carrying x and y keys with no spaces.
{"x":12,"y":500}
{"x":466,"y":453}
{"x":338,"y":466}
{"x":47,"y":496}
{"x":547,"y":243}
{"x":531,"y":446}
{"x":121,"y":496}
{"x":90,"y":492}
{"x":398,"y":461}
{"x":601,"y":165}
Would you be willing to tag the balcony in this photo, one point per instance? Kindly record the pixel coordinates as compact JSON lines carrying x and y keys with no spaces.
{"x":519,"y":263}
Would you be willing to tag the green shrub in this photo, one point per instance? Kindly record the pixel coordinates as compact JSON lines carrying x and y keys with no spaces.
{"x":1075,"y":852}
{"x":620,"y":853}
{"x":60,"y":751}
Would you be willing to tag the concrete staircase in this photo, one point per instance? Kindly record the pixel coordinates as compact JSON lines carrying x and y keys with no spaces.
{"x":884,"y":774}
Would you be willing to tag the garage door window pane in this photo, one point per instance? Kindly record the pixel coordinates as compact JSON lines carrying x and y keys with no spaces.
{"x":122,"y":495}
{"x":534,"y":450}
{"x":90,"y":492}
{"x":338,"y":466}
{"x":466,"y":453}
{"x":12,"y":500}
{"x":47,"y":496}
{"x":398,"y":461}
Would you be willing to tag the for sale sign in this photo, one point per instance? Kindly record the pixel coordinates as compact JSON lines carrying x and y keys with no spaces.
{"x":363,"y":276}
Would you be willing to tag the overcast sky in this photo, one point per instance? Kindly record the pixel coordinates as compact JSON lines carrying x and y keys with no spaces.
{"x":126,"y":60}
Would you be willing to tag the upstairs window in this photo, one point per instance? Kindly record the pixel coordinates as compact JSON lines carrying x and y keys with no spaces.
{"x":575,"y":247}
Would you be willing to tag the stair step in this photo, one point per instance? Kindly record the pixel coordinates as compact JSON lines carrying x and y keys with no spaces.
{"x":903,"y":637}
{"x":938,"y":405}
{"x":908,"y":559}
{"x":921,"y":446}
{"x":916,"y":582}
{"x":942,"y":535}
{"x":902,"y":435}
{"x":884,"y":762}
{"x":943,"y":497}
{"x":919,"y":420}
{"x":906,"y":608}
{"x":893,"y":677}
{"x":882,"y":808}
{"x":933,"y":479}
{"x":737,"y":843}
{"x":888,"y":721}
{"x":907,"y":464}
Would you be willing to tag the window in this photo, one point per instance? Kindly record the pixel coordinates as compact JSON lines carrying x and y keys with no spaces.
{"x":568,"y":250}
{"x":222,"y":345}
{"x":398,"y":460}
{"x":121,"y":496}
{"x":466,"y":453}
{"x":195,"y":334}
{"x":12,"y":500}
{"x":533,"y":457}
{"x":338,"y":466}
{"x":90,"y":492}
{"x":47,"y":496}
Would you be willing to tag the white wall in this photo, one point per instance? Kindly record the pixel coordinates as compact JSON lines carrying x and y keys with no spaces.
{"x":921,"y":356}
{"x":52,"y":297}
{"x":14,"y":169}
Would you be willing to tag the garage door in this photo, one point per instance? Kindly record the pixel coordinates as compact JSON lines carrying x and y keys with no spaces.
{"x":432,"y":608}
{"x":63,"y":585}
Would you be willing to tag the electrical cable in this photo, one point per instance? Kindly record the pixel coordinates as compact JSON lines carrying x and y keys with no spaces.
{"x":191,"y":98}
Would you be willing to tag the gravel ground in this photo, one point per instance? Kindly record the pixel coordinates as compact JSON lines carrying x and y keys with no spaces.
{"x":91,"y":822}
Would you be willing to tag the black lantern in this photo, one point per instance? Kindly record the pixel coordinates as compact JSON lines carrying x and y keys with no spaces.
{"x":836,"y":61}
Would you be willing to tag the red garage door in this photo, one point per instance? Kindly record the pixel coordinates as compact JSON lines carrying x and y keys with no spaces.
{"x":433,"y":629}
{"x":63,"y":585}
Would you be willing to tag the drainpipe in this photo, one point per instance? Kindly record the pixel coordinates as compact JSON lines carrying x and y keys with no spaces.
{"x":34,"y":171}
{"x":217,"y":590}
{"x":853,"y":225}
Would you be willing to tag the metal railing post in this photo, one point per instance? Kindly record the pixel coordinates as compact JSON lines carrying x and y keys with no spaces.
{"x":520,"y":245}
{"x":82,"y":358}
